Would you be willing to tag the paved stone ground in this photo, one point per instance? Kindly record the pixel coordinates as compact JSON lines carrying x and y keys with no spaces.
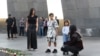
{"x":91,"y":45}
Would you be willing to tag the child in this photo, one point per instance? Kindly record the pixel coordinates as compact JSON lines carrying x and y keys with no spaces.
{"x":65,"y":32}
{"x":52,"y":33}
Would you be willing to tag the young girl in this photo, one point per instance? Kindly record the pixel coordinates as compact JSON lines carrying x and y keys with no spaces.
{"x":52,"y":33}
{"x":65,"y":32}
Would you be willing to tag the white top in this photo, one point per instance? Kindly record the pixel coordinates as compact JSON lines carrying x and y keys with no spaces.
{"x":52,"y":25}
{"x":65,"y":30}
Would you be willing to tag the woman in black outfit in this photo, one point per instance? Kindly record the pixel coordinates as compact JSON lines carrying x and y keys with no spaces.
{"x":14,"y":28}
{"x":75,"y":45}
{"x":31,"y":29}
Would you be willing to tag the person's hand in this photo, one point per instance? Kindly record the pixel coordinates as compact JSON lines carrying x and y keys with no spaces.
{"x":57,"y":33}
{"x":12,"y":26}
{"x":25,"y":29}
{"x":36,"y":29}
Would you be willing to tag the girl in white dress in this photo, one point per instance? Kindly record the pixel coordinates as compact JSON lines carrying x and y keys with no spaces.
{"x":52,"y":33}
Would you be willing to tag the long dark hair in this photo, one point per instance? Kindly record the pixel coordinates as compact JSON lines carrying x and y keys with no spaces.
{"x":31,"y":12}
{"x":72,"y":29}
{"x":14,"y":18}
{"x":14,"y":21}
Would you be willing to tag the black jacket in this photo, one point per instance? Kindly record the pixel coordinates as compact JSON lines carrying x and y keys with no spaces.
{"x":75,"y":40}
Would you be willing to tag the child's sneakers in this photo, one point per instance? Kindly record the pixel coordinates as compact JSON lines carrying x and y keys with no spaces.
{"x":48,"y":51}
{"x":54,"y":51}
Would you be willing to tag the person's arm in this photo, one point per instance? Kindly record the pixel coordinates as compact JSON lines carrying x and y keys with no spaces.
{"x":37,"y":24}
{"x":13,"y":23}
{"x":57,"y":31}
{"x":26,"y":25}
{"x":63,"y":30}
{"x":56,"y":27}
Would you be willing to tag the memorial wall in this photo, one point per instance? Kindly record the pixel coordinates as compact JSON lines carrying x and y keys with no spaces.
{"x":85,"y":14}
{"x":21,"y":8}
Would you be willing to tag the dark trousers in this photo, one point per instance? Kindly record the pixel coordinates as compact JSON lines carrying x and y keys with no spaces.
{"x":21,"y":33}
{"x":45,"y":30}
{"x":31,"y":37}
{"x":72,"y":49}
{"x":10,"y":32}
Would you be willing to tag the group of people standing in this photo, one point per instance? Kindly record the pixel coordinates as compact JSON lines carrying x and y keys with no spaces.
{"x":71,"y":38}
{"x":42,"y":30}
{"x":72,"y":41}
{"x":11,"y":27}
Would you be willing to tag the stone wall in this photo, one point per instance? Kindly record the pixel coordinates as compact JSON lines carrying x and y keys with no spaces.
{"x":84,"y":13}
{"x":21,"y":8}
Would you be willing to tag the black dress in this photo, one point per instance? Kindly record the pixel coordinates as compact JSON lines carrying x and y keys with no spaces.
{"x":31,"y":33}
{"x":14,"y":27}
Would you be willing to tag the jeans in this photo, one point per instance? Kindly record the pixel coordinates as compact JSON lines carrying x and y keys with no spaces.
{"x":41,"y":32}
{"x":45,"y":30}
{"x":65,"y":38}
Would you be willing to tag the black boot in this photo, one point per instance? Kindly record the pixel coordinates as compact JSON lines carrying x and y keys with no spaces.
{"x":67,"y":53}
{"x":64,"y":53}
{"x":75,"y":54}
